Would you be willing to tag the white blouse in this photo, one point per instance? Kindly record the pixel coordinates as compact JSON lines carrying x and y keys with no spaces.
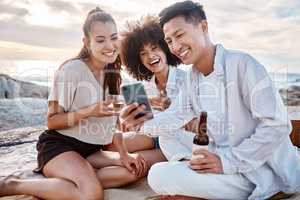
{"x":75,"y":87}
{"x":175,"y":78}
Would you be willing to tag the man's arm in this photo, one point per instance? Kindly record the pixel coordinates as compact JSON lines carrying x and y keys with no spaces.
{"x":176,"y":116}
{"x":265,"y":106}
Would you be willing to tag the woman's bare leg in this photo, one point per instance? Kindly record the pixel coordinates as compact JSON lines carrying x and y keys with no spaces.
{"x":152,"y":156}
{"x":115,"y":176}
{"x":43,"y":188}
{"x":102,"y":159}
{"x":70,"y":177}
{"x":134,"y":142}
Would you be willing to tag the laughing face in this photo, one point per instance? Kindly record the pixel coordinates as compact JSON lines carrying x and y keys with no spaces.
{"x":186,"y":40}
{"x":103,"y":42}
{"x":153,"y":58}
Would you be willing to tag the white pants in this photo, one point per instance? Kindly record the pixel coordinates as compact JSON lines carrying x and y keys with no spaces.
{"x":176,"y":145}
{"x":176,"y":178}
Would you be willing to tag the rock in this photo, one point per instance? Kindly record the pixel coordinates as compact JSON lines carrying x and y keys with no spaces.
{"x":18,"y":156}
{"x":295,"y":88}
{"x":22,"y":112}
{"x":291,"y":95}
{"x":18,"y":152}
{"x":12,"y":88}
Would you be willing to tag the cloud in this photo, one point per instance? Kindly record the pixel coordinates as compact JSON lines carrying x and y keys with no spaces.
{"x":16,"y":30}
{"x":12,"y":10}
{"x":16,"y":51}
{"x":267,"y":30}
{"x":258,"y":29}
{"x":81,"y":9}
{"x":62,"y":6}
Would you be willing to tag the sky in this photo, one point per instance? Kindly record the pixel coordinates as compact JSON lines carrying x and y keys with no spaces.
{"x":37,"y":35}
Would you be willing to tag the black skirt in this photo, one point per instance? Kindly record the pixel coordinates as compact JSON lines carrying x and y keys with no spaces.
{"x":51,"y":144}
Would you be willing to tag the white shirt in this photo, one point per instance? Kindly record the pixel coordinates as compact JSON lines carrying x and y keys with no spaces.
{"x":176,"y":77}
{"x":252,"y":136}
{"x":75,"y":87}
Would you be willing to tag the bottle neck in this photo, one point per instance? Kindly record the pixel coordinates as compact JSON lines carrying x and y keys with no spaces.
{"x":202,"y":137}
{"x":202,"y":126}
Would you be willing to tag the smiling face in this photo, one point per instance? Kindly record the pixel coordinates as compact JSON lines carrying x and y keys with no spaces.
{"x":103,"y":42}
{"x":186,"y":40}
{"x":153,"y":58}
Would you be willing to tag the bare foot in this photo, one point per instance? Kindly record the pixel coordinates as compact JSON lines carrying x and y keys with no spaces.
{"x":8,"y":184}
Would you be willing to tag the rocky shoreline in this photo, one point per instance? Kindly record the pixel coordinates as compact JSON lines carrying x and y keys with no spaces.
{"x":291,"y":95}
{"x":22,"y":112}
{"x":13,"y":88}
{"x":22,"y":103}
{"x":18,"y":152}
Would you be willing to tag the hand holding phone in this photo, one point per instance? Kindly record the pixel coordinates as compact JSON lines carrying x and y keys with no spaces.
{"x":128,"y":119}
{"x":137,"y":110}
{"x":135,"y":93}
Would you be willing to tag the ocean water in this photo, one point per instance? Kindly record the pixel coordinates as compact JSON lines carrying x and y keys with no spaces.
{"x":280,"y":80}
{"x":285,"y":80}
{"x":41,"y":72}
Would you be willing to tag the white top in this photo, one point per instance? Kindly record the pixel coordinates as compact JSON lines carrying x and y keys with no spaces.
{"x":75,"y":87}
{"x":175,"y":80}
{"x":252,"y":133}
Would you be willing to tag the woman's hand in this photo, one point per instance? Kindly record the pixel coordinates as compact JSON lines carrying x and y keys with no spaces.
{"x":144,"y":166}
{"x":160,"y":103}
{"x":135,"y":164}
{"x":59,"y":119}
{"x":102,"y":109}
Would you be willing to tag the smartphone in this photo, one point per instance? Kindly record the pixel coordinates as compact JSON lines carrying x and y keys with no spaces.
{"x":135,"y":93}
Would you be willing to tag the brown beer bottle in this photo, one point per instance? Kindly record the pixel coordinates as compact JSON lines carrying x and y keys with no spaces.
{"x":201,"y":139}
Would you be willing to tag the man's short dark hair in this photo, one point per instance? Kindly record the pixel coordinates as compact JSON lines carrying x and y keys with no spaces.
{"x":191,"y":11}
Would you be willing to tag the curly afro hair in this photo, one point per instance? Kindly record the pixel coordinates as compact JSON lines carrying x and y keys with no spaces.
{"x":137,"y":34}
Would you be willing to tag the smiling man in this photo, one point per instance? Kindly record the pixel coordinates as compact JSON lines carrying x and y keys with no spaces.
{"x":250,"y":154}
